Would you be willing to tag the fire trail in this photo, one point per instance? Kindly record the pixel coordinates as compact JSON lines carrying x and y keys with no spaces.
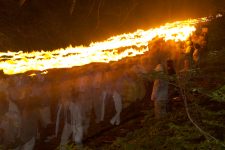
{"x":132,"y":44}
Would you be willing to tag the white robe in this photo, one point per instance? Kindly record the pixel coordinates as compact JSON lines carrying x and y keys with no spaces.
{"x":160,"y":87}
{"x":11,"y":123}
{"x":75,"y":126}
{"x":118,"y":106}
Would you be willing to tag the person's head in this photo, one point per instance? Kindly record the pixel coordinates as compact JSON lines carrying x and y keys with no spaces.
{"x":169,"y":63}
{"x":159,"y":68}
{"x":204,"y":30}
{"x":197,"y":46}
{"x":186,"y":64}
{"x":170,"y":67}
{"x":189,"y":43}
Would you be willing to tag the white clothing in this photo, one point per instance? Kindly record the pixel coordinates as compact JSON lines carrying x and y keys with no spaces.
{"x":29,"y":145}
{"x":118,"y":106}
{"x":160,"y":87}
{"x":75,"y":126}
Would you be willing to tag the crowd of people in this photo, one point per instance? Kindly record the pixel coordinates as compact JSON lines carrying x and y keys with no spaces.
{"x":30,"y":103}
{"x":166,"y":87}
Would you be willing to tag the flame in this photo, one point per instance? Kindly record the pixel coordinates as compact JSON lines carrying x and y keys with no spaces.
{"x":106,"y":51}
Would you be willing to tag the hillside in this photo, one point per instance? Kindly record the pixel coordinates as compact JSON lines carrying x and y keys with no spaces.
{"x":205,"y":95}
{"x":206,"y":103}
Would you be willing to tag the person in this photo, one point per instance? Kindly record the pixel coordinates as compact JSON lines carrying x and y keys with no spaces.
{"x":186,"y":66}
{"x":172,"y":89}
{"x":10,"y":124}
{"x":11,"y":121}
{"x":196,"y":55}
{"x":4,"y":104}
{"x":29,"y":116}
{"x":203,"y":40}
{"x":83,"y":94}
{"x":170,"y":67}
{"x":73,"y":124}
{"x":29,"y":126}
{"x":98,"y":97}
{"x":189,"y":52}
{"x":118,"y":107}
{"x":160,"y":94}
{"x":41,"y":103}
{"x":3,"y":95}
{"x":73,"y":101}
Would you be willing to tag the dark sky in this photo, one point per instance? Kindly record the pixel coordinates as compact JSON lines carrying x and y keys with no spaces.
{"x":48,"y":24}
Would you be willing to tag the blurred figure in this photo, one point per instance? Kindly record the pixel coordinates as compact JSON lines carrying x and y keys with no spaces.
{"x":83,"y":93}
{"x":4,"y":105}
{"x":73,"y":102}
{"x":203,"y":40}
{"x":196,"y":55}
{"x":106,"y":93}
{"x":189,"y":53}
{"x":170,"y":67}
{"x":118,"y":107}
{"x":172,"y":89}
{"x":160,"y":94}
{"x":39,"y":95}
{"x":3,"y":95}
{"x":73,"y":124}
{"x":10,"y":125}
{"x":11,"y":121}
{"x":205,"y":31}
{"x":29,"y":115}
{"x":44,"y":110}
{"x":98,"y":97}
{"x":29,"y":127}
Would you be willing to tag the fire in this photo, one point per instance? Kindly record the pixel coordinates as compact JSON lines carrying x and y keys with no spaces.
{"x":106,"y":51}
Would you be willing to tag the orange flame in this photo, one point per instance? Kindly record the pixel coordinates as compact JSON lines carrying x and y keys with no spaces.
{"x":106,"y":51}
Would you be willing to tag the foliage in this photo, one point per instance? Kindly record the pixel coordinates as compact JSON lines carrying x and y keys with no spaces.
{"x":173,"y":132}
{"x":219,"y":94}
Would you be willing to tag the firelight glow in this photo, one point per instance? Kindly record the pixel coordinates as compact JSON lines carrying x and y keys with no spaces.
{"x":105,"y":51}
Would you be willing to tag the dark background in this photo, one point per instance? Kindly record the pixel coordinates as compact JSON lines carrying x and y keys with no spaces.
{"x":48,"y":24}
